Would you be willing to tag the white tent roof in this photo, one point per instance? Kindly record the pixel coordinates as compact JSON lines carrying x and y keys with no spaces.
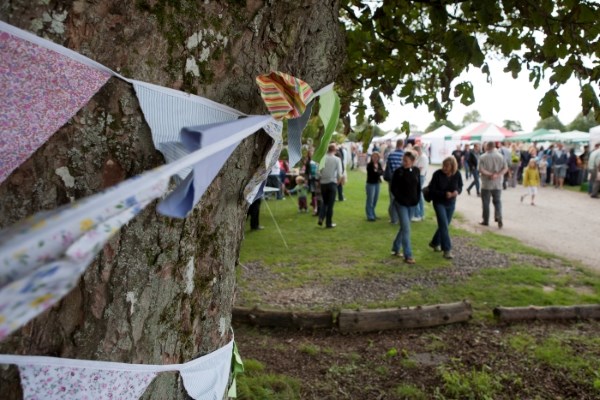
{"x":440,"y":132}
{"x":567,"y":137}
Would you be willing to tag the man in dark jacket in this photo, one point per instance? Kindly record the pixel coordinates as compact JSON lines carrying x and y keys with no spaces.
{"x":406,"y":188}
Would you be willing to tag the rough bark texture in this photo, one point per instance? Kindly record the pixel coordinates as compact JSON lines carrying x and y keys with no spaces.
{"x":162,"y":290}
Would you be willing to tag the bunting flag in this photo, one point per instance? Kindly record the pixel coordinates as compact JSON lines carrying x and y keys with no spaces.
{"x":41,"y":90}
{"x":50,"y":378}
{"x":287,"y":97}
{"x":42,"y":258}
{"x":330,"y":114}
{"x":295,"y":128}
{"x":284,"y":95}
{"x":229,"y":134}
{"x":167,"y":111}
{"x":254,"y":189}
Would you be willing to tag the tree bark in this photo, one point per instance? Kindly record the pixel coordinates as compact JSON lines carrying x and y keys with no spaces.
{"x":509,"y":314}
{"x":403,"y":318}
{"x":134,"y":304}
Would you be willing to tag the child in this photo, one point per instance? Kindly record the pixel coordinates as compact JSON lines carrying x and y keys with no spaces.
{"x":531,"y":180}
{"x":543,"y":167}
{"x":302,"y":191}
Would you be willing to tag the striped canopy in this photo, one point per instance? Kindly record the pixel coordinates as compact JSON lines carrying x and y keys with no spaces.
{"x":481,"y":132}
{"x":530,"y":136}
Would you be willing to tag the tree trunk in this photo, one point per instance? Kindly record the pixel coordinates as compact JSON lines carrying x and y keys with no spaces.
{"x":134,"y":303}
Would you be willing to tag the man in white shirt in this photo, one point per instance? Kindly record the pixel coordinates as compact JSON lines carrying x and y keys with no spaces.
{"x":492,"y":167}
{"x":331,"y":177}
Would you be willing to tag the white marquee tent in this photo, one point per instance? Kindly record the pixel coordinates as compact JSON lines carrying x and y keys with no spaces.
{"x":438,"y":147}
{"x":594,"y":136}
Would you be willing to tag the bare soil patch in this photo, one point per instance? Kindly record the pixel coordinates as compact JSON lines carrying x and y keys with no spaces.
{"x":331,"y":365}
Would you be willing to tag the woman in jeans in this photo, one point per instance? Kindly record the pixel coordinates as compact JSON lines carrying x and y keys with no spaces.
{"x":406,"y":188}
{"x":374,"y":172}
{"x":446,"y":184}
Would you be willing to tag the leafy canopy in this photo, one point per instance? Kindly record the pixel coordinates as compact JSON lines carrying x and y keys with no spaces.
{"x":416,"y":50}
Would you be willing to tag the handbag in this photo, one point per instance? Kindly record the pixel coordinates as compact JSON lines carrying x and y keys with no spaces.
{"x":388,"y":174}
{"x":426,"y":194}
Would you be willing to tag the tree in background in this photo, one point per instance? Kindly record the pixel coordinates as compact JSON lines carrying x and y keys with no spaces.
{"x":436,"y":124}
{"x":416,"y":50}
{"x":550,"y":123}
{"x":514,"y":126}
{"x":470,"y":117}
{"x":582,"y":123}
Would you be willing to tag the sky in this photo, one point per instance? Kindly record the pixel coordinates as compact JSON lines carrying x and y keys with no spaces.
{"x":504,"y":99}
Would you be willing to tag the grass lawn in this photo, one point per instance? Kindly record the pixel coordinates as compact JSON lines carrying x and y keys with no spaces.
{"x":294,"y":247}
{"x":478,"y":360}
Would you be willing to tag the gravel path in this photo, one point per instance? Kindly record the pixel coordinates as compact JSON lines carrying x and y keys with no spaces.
{"x":562,"y":222}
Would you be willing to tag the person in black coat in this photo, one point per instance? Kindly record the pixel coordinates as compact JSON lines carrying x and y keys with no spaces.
{"x":445,"y":186}
{"x":406,"y":188}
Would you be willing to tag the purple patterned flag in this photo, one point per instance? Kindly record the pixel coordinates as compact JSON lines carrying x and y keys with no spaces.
{"x":41,"y":90}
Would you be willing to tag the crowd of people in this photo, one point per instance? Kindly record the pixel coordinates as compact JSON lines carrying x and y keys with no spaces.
{"x":492,"y":169}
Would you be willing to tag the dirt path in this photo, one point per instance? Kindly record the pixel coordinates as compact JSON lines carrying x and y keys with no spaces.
{"x":562,"y":222}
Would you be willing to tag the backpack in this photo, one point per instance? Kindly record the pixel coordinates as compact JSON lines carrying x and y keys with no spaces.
{"x":514,"y":158}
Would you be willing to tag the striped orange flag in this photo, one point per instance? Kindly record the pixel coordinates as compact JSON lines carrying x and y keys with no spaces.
{"x":284,"y":95}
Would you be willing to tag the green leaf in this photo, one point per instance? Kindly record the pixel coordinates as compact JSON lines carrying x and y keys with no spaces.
{"x":464,"y":90}
{"x":589,"y":99}
{"x":514,"y":67}
{"x":548,"y":104}
{"x":561,"y":74}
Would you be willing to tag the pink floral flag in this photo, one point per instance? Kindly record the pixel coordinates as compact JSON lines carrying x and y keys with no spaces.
{"x":41,"y":90}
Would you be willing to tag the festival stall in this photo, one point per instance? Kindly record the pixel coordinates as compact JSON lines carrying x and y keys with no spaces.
{"x":481,"y":132}
{"x":437,"y":145}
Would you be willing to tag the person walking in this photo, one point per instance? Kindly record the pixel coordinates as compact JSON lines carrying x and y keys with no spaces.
{"x":445,"y":186}
{"x":531,"y":181}
{"x":406,"y":187}
{"x":559,"y":164}
{"x":473,"y":162}
{"x":422,"y":163}
{"x":393,"y":162}
{"x":492,"y":167}
{"x":374,"y":172}
{"x":592,"y":166}
{"x":331,"y":177}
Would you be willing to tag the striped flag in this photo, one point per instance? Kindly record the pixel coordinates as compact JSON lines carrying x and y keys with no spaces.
{"x":284,"y":95}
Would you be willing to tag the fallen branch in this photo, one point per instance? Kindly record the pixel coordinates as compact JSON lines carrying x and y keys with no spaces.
{"x":278,"y":318}
{"x":591,"y":311}
{"x":402,"y":318}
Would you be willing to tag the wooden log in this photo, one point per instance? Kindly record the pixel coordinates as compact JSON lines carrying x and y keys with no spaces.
{"x":402,"y":318}
{"x":282,"y":318}
{"x":587,"y":311}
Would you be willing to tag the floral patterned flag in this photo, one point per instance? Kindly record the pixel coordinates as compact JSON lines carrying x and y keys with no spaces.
{"x":41,"y":90}
{"x":50,"y":378}
{"x":41,"y":259}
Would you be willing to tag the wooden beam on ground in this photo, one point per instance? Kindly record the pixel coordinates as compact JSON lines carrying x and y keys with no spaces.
{"x":280,"y":318}
{"x":588,"y":311}
{"x":402,"y":318}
